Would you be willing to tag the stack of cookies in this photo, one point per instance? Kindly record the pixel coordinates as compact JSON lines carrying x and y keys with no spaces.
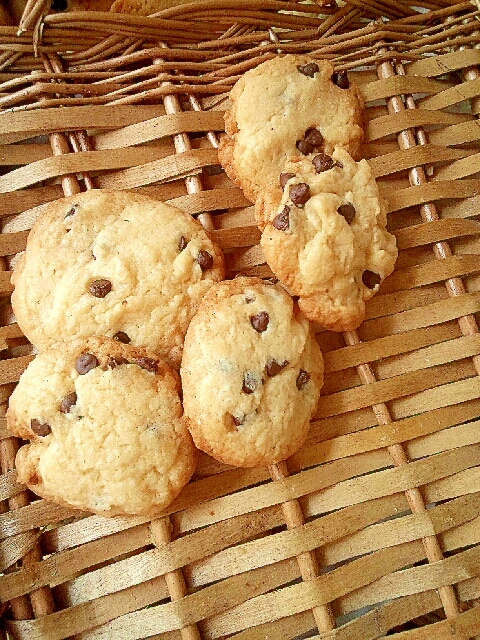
{"x":105,"y":291}
{"x":116,"y":291}
{"x":293,"y":134}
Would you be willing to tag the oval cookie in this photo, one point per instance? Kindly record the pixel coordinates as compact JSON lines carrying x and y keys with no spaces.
{"x":251,"y":374}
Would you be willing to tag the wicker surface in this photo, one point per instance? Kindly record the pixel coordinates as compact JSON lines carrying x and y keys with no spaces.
{"x":374,"y":526}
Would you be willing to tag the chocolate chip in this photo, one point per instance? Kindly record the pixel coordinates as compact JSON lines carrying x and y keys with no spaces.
{"x":40,"y":428}
{"x":260,"y":321}
{"x":370,"y":279}
{"x":282,"y":220}
{"x":250,"y":298}
{"x":299,"y":193}
{"x":116,"y":361}
{"x":322,"y":162}
{"x":302,"y":379}
{"x":68,"y":402}
{"x":347,"y":211}
{"x":309,"y":69}
{"x":205,"y":260}
{"x":182,"y":243}
{"x":121,"y":336}
{"x":340,"y":78}
{"x":284,"y":178}
{"x":72,"y":211}
{"x":304,"y":147}
{"x":313,"y":137}
{"x":273,"y":367}
{"x":250,"y":382}
{"x":237,"y":421}
{"x":85,"y":363}
{"x":149,"y":364}
{"x":100,"y":288}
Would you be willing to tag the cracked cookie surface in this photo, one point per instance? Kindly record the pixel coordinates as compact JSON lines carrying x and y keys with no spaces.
{"x":251,"y":374}
{"x":106,"y":428}
{"x":104,"y":262}
{"x":287,"y":105}
{"x":326,"y":239}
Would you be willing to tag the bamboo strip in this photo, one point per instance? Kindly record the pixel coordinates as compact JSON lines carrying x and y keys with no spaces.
{"x":295,"y":598}
{"x":168,"y":125}
{"x":401,"y":160}
{"x":46,"y":120}
{"x":460,"y":169}
{"x":385,"y":347}
{"x":369,"y":626}
{"x":435,"y":231}
{"x":395,"y":123}
{"x":175,"y":166}
{"x":397,"y":85}
{"x":465,"y":91}
{"x":103,"y":160}
{"x":455,"y":134}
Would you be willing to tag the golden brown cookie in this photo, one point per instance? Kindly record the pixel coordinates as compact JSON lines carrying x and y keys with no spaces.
{"x":286,"y":106}
{"x":326,"y":239}
{"x":105,"y":425}
{"x":104,"y":262}
{"x":251,"y":374}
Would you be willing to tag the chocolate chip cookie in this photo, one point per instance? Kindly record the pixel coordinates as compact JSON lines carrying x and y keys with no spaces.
{"x":326,"y":238}
{"x":106,"y":429}
{"x":251,"y":374}
{"x":287,"y":106}
{"x":112,"y":262}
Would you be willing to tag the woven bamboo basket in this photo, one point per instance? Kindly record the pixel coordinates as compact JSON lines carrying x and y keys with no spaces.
{"x":373,"y":527}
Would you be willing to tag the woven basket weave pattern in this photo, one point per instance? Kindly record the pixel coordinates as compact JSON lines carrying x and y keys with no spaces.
{"x":374,"y":525}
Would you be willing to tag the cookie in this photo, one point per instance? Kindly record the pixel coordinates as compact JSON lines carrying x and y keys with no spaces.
{"x":106,"y":428}
{"x":251,"y":374}
{"x":113,"y":263}
{"x":326,"y":239}
{"x":285,"y":106}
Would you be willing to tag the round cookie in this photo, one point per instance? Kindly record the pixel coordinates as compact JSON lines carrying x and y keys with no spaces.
{"x":287,"y":105}
{"x":105,"y":262}
{"x":106,"y":428}
{"x":326,"y":239}
{"x":251,"y":374}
